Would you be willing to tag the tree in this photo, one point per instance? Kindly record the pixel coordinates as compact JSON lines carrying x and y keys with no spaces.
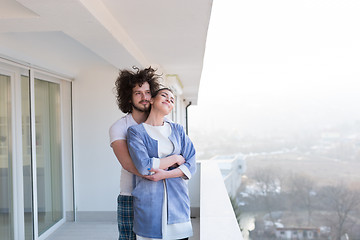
{"x":236,"y":208}
{"x":342,"y":202}
{"x":269,"y":184}
{"x":302,"y":191}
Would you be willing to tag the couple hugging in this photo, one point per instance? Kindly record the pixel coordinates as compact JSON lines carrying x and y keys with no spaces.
{"x":157,"y":159}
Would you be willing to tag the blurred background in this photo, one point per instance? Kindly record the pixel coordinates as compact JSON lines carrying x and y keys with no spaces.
{"x":289,"y":109}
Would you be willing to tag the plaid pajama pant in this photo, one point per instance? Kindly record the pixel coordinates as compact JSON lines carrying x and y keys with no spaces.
{"x":125,"y":217}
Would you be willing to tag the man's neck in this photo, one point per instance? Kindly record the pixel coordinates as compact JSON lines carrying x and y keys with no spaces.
{"x":139,"y":116}
{"x":155,"y":119}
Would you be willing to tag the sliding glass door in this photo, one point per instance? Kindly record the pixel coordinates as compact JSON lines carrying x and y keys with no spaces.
{"x":48,"y":154}
{"x":31,"y":182}
{"x":6,"y":160}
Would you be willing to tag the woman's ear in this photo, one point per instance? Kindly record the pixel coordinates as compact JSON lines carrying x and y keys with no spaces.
{"x":151,"y":101}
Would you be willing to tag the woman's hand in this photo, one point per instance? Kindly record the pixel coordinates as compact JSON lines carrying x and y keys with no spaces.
{"x":180,"y":160}
{"x":172,"y":161}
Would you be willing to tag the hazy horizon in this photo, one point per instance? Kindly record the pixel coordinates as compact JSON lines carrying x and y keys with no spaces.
{"x":279,"y":66}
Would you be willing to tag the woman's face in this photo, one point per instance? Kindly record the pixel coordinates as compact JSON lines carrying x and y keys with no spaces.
{"x":163,"y":102}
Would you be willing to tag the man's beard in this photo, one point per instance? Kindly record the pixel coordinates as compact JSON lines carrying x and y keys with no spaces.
{"x":145,"y":110}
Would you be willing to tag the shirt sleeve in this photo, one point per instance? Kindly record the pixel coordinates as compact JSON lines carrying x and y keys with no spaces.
{"x":118,"y":131}
{"x":188,"y":152}
{"x":156,"y":163}
{"x":186,"y":171}
{"x":138,"y":152}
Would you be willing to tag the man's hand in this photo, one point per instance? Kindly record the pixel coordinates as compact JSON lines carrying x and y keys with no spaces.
{"x":158,"y":174}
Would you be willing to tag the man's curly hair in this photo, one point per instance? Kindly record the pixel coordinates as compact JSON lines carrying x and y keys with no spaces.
{"x":127,"y":80}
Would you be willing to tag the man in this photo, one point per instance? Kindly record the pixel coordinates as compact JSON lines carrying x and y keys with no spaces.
{"x":133,"y":93}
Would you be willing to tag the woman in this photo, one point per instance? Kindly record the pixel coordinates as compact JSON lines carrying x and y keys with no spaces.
{"x":162,"y":208}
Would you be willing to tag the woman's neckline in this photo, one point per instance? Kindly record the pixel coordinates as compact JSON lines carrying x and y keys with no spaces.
{"x":163,"y":124}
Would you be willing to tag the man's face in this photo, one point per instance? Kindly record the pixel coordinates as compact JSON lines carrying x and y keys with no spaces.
{"x":140,"y":97}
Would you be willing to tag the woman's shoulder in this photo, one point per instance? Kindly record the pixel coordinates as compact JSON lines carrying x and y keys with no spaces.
{"x":136,"y":127}
{"x":176,"y":126}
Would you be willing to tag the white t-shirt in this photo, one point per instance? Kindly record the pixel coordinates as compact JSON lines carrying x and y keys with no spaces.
{"x":118,"y":131}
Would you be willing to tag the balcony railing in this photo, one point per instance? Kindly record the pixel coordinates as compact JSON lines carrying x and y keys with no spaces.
{"x":208,"y":193}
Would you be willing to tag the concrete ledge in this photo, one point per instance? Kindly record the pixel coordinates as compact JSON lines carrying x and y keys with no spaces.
{"x":217,"y":218}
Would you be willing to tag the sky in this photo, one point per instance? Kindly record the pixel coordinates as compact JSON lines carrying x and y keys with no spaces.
{"x":279,"y":65}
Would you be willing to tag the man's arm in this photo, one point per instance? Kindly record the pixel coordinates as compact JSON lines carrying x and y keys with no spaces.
{"x":121,"y":151}
{"x":160,"y":174}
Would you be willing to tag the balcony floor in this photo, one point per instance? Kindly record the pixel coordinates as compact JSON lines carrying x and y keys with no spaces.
{"x":100,"y":231}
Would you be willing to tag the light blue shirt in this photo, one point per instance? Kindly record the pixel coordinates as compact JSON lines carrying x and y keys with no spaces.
{"x":149,"y":195}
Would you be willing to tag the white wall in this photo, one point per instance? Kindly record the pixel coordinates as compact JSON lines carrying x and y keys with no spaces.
{"x":97,"y":172}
